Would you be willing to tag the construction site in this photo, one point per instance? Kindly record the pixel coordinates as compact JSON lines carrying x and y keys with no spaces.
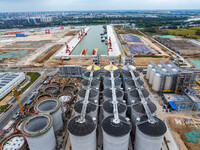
{"x":106,"y":91}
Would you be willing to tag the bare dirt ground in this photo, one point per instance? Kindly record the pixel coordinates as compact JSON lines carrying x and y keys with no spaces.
{"x":144,"y":61}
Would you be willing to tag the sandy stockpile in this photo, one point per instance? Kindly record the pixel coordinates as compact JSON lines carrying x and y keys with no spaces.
{"x":144,"y":61}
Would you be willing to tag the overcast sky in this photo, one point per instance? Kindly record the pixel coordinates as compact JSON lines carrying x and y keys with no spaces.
{"x":67,"y":5}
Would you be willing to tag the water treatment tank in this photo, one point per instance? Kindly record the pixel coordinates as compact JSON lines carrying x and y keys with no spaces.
{"x":130,"y":84}
{"x":115,"y":135}
{"x":82,"y":134}
{"x":51,"y":106}
{"x":160,"y":66}
{"x":138,"y":111}
{"x":66,"y":98}
{"x":108,"y":108}
{"x":96,"y":75}
{"x":107,"y":94}
{"x":39,"y":133}
{"x":133,"y":96}
{"x":95,"y":84}
{"x":149,"y":67}
{"x":152,"y":73}
{"x":93,"y":94}
{"x":107,"y":74}
{"x":149,"y":136}
{"x":156,"y":82}
{"x":107,"y":83}
{"x":91,"y":110}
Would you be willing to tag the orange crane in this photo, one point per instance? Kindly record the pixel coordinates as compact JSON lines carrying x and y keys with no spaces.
{"x":18,"y":100}
{"x":120,"y":58}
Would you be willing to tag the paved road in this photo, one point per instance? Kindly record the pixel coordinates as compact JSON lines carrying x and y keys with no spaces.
{"x":28,"y":70}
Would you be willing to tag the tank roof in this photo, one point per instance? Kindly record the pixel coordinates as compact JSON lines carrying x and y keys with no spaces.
{"x":108,"y":107}
{"x":116,"y":130}
{"x":108,"y":82}
{"x":95,"y":74}
{"x":90,"y":107}
{"x":109,"y":67}
{"x":95,"y":67}
{"x":81,"y":129}
{"x":108,"y":74}
{"x":94,"y":82}
{"x":82,"y":93}
{"x":157,"y":129}
{"x":140,"y":108}
{"x":108,"y":92}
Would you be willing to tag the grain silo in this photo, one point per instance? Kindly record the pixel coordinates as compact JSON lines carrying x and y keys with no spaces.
{"x":91,"y":109}
{"x":107,"y":74}
{"x":130,"y":84}
{"x":116,"y":133}
{"x":94,"y":68}
{"x":108,"y":108}
{"x":95,"y":84}
{"x":157,"y":82}
{"x":149,"y":136}
{"x":138,"y":111}
{"x":39,"y":133}
{"x":152,"y":73}
{"x":51,"y":106}
{"x":94,"y":95}
{"x":160,"y":66}
{"x":125,"y":68}
{"x":149,"y":67}
{"x":96,"y":75}
{"x":14,"y":142}
{"x":107,"y":83}
{"x":107,"y":94}
{"x":133,"y":96}
{"x":82,"y":133}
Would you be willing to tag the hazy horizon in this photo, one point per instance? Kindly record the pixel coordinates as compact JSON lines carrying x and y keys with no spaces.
{"x":98,"y":5}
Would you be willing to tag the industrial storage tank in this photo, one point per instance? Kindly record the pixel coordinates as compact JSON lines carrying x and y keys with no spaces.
{"x":69,"y":88}
{"x":149,"y":67}
{"x":128,"y":75}
{"x":175,"y":70}
{"x":125,"y":68}
{"x":107,"y":94}
{"x":51,"y":106}
{"x":168,"y":82}
{"x":43,"y":96}
{"x":14,"y":142}
{"x":116,"y":135}
{"x":108,"y":108}
{"x":95,"y":68}
{"x":170,"y":66}
{"x":152,"y":73}
{"x":52,"y":89}
{"x":133,"y":96}
{"x":82,"y":134}
{"x":156,"y":82}
{"x":107,"y":74}
{"x":108,"y":67}
{"x":91,"y":110}
{"x":66,"y":97}
{"x":130,"y":84}
{"x":138,"y":111}
{"x":160,"y":66}
{"x":149,"y":136}
{"x":92,"y":95}
{"x":96,"y":75}
{"x":108,"y":84}
{"x":39,"y":133}
{"x":164,"y":70}
{"x":95,"y":84}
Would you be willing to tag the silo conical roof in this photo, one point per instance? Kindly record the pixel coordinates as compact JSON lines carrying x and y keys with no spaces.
{"x":90,"y":107}
{"x":108,"y":106}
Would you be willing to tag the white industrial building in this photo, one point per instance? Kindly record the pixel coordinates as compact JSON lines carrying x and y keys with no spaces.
{"x":7,"y":80}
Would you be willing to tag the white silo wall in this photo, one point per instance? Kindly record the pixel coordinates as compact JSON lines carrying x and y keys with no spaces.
{"x":160,"y":66}
{"x":144,"y":142}
{"x":152,"y":73}
{"x":164,"y":70}
{"x":83,"y":142}
{"x":149,"y":70}
{"x":46,"y":141}
{"x":174,"y":70}
{"x":168,"y":83}
{"x":115,"y":143}
{"x":170,"y":66}
{"x":156,"y":82}
{"x":57,"y":120}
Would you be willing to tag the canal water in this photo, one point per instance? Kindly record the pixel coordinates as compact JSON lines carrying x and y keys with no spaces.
{"x":90,"y":41}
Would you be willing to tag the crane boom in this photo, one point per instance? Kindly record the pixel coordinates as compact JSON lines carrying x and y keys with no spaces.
{"x":18,"y":100}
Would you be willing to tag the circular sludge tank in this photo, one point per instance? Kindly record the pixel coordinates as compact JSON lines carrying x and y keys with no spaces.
{"x":91,"y":109}
{"x":51,"y":106}
{"x":149,"y":67}
{"x":69,"y":89}
{"x":152,"y":73}
{"x":108,"y":108}
{"x":43,"y":96}
{"x":107,"y":94}
{"x":95,"y":84}
{"x":164,"y":70}
{"x":174,"y":70}
{"x":130,"y":84}
{"x":66,"y":98}
{"x":115,"y":135}
{"x":30,"y":110}
{"x":39,"y":133}
{"x":96,"y":75}
{"x":133,"y":96}
{"x":52,"y":89}
{"x":14,"y":142}
{"x":94,"y":95}
{"x":137,"y":111}
{"x":107,"y":74}
{"x":156,"y":82}
{"x":149,"y":136}
{"x":18,"y":126}
{"x":82,"y":134}
{"x":107,"y":83}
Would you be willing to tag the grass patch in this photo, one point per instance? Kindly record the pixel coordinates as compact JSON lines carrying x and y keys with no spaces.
{"x":121,"y":30}
{"x":3,"y":108}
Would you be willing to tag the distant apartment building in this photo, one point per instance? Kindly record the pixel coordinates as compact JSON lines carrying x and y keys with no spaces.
{"x":46,"y":19}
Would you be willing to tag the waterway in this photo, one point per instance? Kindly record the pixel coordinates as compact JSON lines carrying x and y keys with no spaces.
{"x":90,"y":41}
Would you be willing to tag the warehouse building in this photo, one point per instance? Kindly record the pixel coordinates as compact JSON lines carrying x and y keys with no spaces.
{"x":7,"y":80}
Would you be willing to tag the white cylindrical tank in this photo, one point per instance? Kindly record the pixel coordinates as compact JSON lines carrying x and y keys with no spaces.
{"x":39,"y":132}
{"x":168,"y":83}
{"x":108,"y":108}
{"x":82,"y":134}
{"x":160,"y":66}
{"x":149,"y":136}
{"x":170,"y":66}
{"x":164,"y":70}
{"x":152,"y":73}
{"x":51,"y":106}
{"x":175,"y":70}
{"x":156,"y":82}
{"x":149,"y":67}
{"x":115,"y":135}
